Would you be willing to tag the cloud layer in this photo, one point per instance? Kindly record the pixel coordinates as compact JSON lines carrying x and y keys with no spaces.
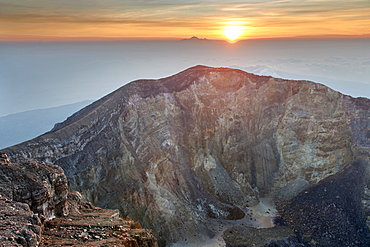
{"x":36,"y":75}
{"x":169,"y":19}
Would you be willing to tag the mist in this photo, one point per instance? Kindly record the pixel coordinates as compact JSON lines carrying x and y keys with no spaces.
{"x":36,"y":75}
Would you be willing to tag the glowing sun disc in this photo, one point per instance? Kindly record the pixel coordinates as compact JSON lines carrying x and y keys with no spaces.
{"x":232,"y":33}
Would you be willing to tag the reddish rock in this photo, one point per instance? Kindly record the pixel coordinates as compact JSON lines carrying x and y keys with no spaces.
{"x":93,"y":226}
{"x":32,"y":194}
{"x":19,"y":225}
{"x":42,"y":186}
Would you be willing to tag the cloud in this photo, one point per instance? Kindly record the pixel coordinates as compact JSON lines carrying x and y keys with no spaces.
{"x":186,"y":15}
{"x":121,"y":9}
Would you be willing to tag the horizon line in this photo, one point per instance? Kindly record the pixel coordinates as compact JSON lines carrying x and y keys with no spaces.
{"x":81,"y":39}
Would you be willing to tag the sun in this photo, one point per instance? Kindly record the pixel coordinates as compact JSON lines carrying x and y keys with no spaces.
{"x":232,"y":33}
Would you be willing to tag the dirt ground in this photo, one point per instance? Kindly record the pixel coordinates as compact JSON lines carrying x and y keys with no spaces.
{"x":96,"y":227}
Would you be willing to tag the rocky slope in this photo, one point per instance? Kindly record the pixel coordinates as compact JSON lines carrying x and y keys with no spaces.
{"x":30,"y":192}
{"x":330,"y":213}
{"x":19,"y":225}
{"x":187,"y":153}
{"x":43,"y":187}
{"x":36,"y":209}
{"x":87,"y":225}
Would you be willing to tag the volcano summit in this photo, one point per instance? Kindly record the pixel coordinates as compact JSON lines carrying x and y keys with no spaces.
{"x":208,"y":148}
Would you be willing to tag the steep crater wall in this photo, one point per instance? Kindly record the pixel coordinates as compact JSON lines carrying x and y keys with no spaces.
{"x":202,"y":146}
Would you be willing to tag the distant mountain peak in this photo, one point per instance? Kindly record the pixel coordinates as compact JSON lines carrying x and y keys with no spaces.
{"x":195,"y":38}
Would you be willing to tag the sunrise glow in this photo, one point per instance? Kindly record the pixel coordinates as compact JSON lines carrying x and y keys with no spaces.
{"x":227,"y":20}
{"x":232,"y":33}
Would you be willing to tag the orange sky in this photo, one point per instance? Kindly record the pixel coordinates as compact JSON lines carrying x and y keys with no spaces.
{"x":166,"y":19}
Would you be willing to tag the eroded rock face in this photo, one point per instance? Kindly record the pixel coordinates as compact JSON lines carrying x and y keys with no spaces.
{"x":19,"y":225}
{"x":203,"y":144}
{"x":30,"y":192}
{"x":43,"y":187}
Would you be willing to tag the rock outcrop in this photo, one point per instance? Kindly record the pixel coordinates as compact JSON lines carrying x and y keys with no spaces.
{"x":87,"y":225}
{"x":43,"y":187}
{"x":185,"y":153}
{"x":35,"y":204}
{"x":30,"y":192}
{"x":19,"y":225}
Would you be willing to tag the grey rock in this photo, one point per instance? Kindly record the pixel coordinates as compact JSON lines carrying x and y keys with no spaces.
{"x":19,"y":225}
{"x":203,"y":144}
{"x":278,"y":236}
{"x":330,"y":213}
{"x":42,"y":187}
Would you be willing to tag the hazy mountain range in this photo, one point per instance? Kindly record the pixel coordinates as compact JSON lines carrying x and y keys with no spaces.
{"x":38,"y":75}
{"x":23,"y":126}
{"x":346,"y":87}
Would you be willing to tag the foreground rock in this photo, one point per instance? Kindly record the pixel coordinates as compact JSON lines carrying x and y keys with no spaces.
{"x":205,"y":144}
{"x":32,"y":194}
{"x":42,"y":186}
{"x":19,"y":225}
{"x":92,"y":226}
